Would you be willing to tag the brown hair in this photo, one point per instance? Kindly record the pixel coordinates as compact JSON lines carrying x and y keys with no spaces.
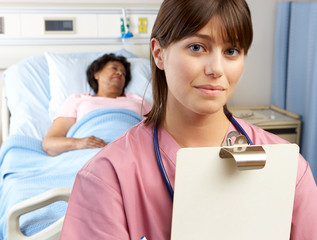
{"x":178,"y":19}
{"x":99,"y":64}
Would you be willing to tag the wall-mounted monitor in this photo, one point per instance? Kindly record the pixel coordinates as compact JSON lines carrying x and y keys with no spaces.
{"x":59,"y":25}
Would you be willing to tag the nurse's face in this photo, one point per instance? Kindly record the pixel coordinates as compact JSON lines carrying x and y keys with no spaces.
{"x":202,"y":71}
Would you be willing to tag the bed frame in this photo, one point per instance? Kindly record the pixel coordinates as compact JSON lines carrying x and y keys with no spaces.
{"x":21,"y":47}
{"x":54,"y":195}
{"x":57,"y":194}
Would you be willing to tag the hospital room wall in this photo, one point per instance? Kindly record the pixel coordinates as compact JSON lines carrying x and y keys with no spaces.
{"x":254,"y":87}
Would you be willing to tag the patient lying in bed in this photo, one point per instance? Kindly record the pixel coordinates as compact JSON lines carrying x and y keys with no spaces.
{"x":45,"y":82}
{"x":107,"y":76}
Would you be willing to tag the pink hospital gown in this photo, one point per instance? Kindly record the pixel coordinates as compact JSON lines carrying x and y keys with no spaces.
{"x":78,"y":105}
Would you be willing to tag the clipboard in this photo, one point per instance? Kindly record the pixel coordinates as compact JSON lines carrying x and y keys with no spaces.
{"x":214,"y":199}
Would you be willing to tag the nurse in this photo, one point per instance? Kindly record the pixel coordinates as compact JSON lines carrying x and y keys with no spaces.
{"x":198,"y":50}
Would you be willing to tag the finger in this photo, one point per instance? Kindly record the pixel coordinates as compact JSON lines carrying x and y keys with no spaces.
{"x":96,"y":144}
{"x":93,"y":138}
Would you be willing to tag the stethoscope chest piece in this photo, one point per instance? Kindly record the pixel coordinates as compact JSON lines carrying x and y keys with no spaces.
{"x":233,"y":138}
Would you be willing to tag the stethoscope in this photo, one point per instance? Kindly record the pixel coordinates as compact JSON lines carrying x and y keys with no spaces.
{"x":159,"y":158}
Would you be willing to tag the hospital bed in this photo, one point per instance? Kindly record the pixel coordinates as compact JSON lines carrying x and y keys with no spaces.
{"x":35,"y":187}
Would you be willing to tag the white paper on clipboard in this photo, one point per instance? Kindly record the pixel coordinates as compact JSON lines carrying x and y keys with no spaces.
{"x":215,"y":200}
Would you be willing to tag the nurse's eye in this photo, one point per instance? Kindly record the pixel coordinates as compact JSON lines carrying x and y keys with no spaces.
{"x":233,"y":52}
{"x":196,"y":48}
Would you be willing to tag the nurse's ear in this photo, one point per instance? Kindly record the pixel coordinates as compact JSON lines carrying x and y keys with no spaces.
{"x":157,"y":51}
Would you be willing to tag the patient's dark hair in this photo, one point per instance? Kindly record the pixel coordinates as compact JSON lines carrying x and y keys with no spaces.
{"x":178,"y":19}
{"x":99,"y":64}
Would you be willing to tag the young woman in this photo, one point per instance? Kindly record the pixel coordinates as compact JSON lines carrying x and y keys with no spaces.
{"x":107,"y":76}
{"x":198,"y":50}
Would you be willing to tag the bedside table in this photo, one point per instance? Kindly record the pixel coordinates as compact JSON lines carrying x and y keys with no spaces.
{"x":283,"y":123}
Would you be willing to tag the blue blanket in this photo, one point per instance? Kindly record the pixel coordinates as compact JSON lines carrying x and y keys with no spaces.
{"x":27,"y":171}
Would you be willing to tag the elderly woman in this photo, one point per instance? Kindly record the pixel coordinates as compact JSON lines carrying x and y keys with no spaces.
{"x":107,"y":76}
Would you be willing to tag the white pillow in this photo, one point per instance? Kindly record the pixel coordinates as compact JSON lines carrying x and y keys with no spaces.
{"x":68,"y":76}
{"x":141,"y":78}
{"x":27,"y":93}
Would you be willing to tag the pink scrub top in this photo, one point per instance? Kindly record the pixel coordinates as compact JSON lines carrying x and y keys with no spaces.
{"x":120,"y":193}
{"x":78,"y":105}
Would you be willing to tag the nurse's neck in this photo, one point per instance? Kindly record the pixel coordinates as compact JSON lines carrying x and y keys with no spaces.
{"x":197,"y":131}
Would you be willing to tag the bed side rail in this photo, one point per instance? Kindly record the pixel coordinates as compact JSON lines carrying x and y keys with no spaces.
{"x":50,"y":233}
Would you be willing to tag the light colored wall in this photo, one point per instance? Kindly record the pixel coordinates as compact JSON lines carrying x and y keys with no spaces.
{"x":254,"y":87}
{"x":255,"y":84}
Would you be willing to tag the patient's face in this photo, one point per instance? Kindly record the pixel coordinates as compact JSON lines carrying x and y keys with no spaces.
{"x":111,"y":79}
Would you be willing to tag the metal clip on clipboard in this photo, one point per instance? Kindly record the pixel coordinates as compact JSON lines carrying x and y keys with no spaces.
{"x":247,"y":157}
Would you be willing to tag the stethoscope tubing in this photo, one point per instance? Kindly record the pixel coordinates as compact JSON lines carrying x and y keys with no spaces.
{"x":159,"y":158}
{"x":161,"y":165}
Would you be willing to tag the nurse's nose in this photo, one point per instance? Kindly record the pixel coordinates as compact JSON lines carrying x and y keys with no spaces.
{"x":214,"y":67}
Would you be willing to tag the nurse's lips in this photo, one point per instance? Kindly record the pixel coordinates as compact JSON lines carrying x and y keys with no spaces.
{"x":210,"y":90}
